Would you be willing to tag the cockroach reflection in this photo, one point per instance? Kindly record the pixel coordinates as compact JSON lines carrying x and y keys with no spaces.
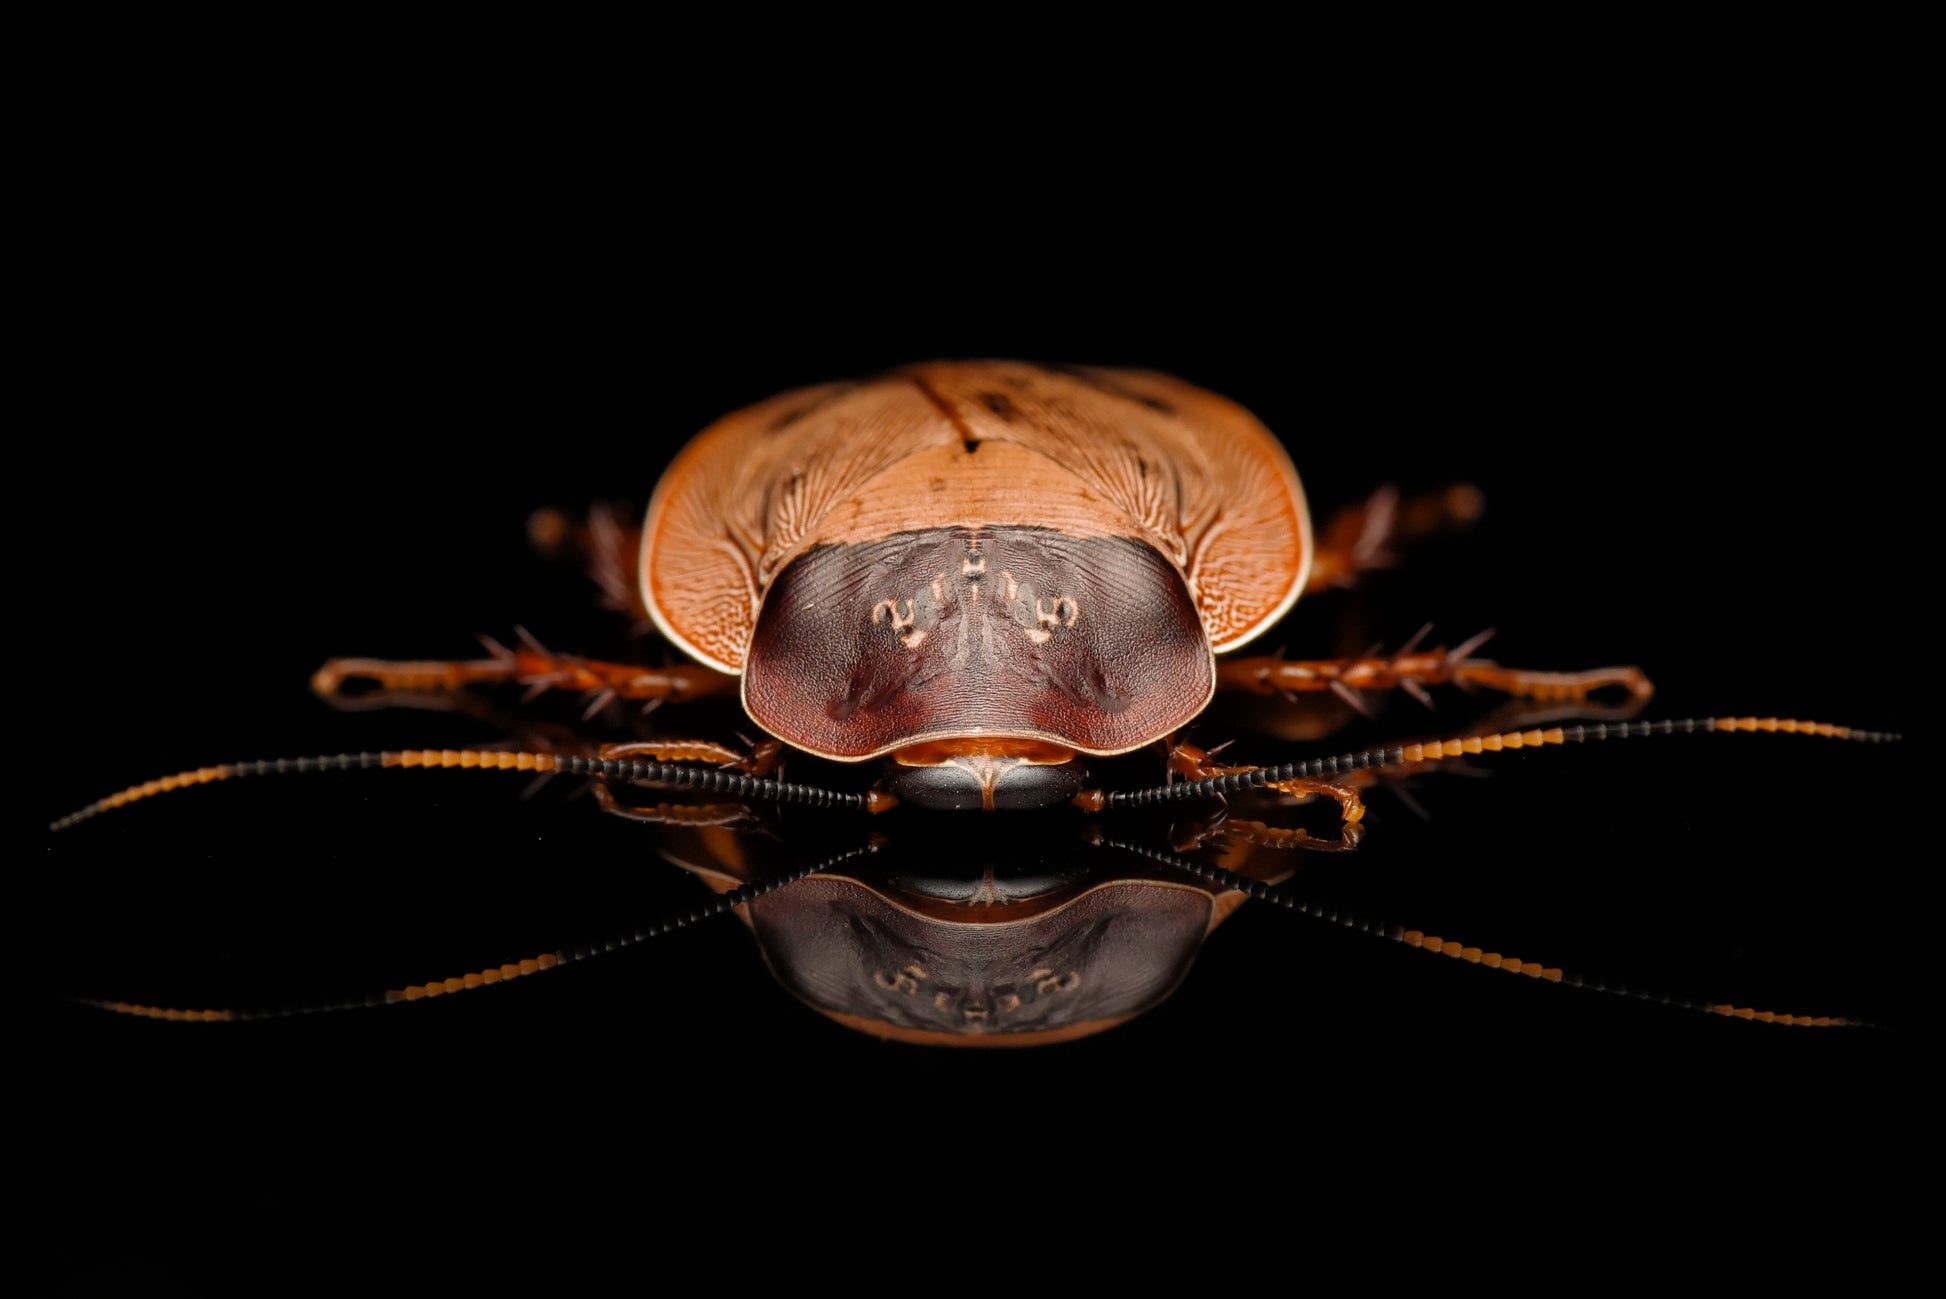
{"x":1020,"y":929}
{"x":996,"y":576}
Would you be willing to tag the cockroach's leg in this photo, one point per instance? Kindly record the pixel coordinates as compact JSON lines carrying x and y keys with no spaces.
{"x":1416,"y":671}
{"x":355,"y":683}
{"x":1261,"y":834}
{"x":609,"y":543}
{"x":691,"y":814}
{"x":1365,"y":537}
{"x":760,"y":760}
{"x":1188,"y":762}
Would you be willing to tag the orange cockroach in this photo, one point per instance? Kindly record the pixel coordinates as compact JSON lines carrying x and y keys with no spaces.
{"x":989,"y":586}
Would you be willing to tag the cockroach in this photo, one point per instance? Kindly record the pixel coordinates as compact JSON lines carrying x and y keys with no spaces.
{"x":1002,"y":588}
{"x":984,"y":574}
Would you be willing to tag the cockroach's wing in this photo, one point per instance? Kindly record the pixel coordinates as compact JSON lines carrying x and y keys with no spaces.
{"x":1086,"y":453}
{"x":1197,"y":475}
{"x":749,"y":492}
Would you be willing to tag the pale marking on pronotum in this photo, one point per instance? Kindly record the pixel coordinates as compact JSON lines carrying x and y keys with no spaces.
{"x":1049,"y":981}
{"x":973,"y":568}
{"x":909,"y":636}
{"x":906,"y":980}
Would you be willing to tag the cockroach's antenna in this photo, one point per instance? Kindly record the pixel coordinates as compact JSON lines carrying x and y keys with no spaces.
{"x":1457,"y":950}
{"x":677,"y":775}
{"x":495,"y":974}
{"x":1296,"y":776}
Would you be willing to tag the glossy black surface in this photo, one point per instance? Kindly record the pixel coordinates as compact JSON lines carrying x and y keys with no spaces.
{"x":1688,"y":474}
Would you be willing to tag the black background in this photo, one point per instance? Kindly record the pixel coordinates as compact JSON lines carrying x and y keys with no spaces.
{"x":306,"y":419}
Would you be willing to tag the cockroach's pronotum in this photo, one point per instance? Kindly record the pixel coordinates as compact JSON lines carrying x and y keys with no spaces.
{"x":1000,"y":588}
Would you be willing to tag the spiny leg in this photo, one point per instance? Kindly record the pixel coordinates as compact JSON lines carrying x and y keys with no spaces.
{"x":666,"y":813}
{"x":1414,"y":671}
{"x":1188,"y":836}
{"x":608,"y":543}
{"x":1364,"y":537}
{"x":1188,"y":762}
{"x":761,"y":759}
{"x":371,"y":683}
